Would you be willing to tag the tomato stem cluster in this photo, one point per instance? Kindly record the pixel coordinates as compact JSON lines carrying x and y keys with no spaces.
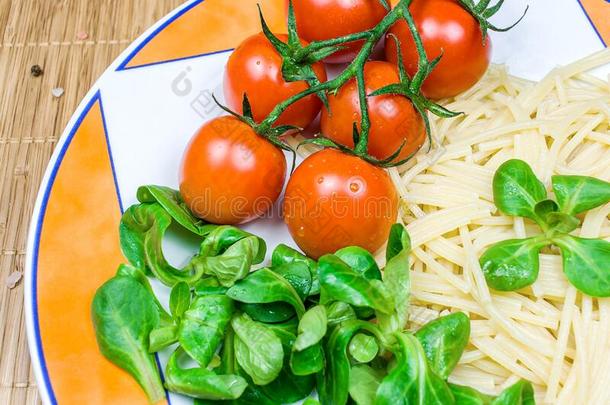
{"x":298,"y":58}
{"x":410,"y":88}
{"x":482,"y":11}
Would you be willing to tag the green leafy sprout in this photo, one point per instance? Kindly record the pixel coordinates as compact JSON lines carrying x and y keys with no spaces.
{"x":514,"y":264}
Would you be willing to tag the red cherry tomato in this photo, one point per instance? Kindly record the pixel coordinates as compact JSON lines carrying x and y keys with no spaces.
{"x":326,"y":19}
{"x":255,"y":68}
{"x":448,"y":29}
{"x":393,"y":118}
{"x":334,"y":200}
{"x":229,"y":174}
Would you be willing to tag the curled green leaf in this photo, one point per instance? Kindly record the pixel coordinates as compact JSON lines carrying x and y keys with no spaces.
{"x":173,"y":204}
{"x":257,"y":350}
{"x":201,"y":382}
{"x":312,"y":328}
{"x":361,"y":260}
{"x":264,"y":286}
{"x":338,"y":311}
{"x":363,"y":384}
{"x":340,"y":282}
{"x":444,"y":340}
{"x":283,"y":255}
{"x":517,"y":190}
{"x":225,"y":236}
{"x":469,"y":396}
{"x":209,"y":286}
{"x":586,"y":264}
{"x":412,"y":381}
{"x":298,"y":275}
{"x":512,"y":264}
{"x":308,"y":361}
{"x":126,"y":270}
{"x":162,"y":337}
{"x":179,"y":299}
{"x":233,"y":263}
{"x":333,"y":384}
{"x":124,"y":314}
{"x":141,"y":232}
{"x":576,"y":194}
{"x":520,"y":393}
{"x":363,"y":348}
{"x":203,"y":326}
{"x":396,"y":279}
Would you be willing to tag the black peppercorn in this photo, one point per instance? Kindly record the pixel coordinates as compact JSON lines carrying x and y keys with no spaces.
{"x":36,"y":71}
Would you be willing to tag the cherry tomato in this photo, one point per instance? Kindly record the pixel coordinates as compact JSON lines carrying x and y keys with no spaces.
{"x":326,"y":19}
{"x":334,"y":200}
{"x":393,"y":118}
{"x":255,"y":68}
{"x":448,"y":29}
{"x":229,"y":174}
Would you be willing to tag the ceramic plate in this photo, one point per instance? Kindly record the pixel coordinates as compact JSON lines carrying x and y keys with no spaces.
{"x":131,"y":129}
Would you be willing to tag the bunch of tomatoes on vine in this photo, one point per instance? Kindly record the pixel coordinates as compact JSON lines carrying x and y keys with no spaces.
{"x":373,"y":114}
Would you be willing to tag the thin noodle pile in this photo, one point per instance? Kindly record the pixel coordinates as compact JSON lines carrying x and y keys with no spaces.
{"x":549,"y":334}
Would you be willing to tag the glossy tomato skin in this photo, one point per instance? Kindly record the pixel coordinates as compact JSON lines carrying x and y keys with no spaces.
{"x":334,"y":200}
{"x":448,"y":29}
{"x":255,"y":68}
{"x":229,"y":174}
{"x":326,"y":19}
{"x":393,"y":118}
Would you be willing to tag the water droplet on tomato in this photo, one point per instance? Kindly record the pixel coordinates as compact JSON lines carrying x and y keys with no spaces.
{"x":301,"y":231}
{"x":320,"y":179}
{"x":356,"y":183}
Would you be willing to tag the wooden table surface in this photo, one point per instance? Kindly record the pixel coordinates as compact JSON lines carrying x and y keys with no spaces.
{"x":73,"y":41}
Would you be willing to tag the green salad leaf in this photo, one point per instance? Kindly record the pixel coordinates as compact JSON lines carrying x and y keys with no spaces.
{"x":586,"y":263}
{"x":396,"y":280}
{"x":333,"y":382}
{"x":141,"y":232}
{"x":342,"y":283}
{"x":124,"y":313}
{"x":172,"y":203}
{"x":512,"y":264}
{"x":265,"y":286}
{"x":520,"y":393}
{"x":257,"y":349}
{"x":201,"y":382}
{"x":179,"y":299}
{"x":412,"y":380}
{"x":444,"y":340}
{"x":363,"y":348}
{"x":285,"y":255}
{"x":363,"y":384}
{"x":517,"y":190}
{"x":312,"y":328}
{"x":469,"y":396}
{"x":577,"y":194}
{"x":203,"y":326}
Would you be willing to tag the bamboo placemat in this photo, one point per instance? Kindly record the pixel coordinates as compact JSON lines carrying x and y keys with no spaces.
{"x":73,"y":41}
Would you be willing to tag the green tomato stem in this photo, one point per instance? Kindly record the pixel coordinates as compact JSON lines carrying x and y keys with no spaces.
{"x":372,"y":37}
{"x":317,"y":45}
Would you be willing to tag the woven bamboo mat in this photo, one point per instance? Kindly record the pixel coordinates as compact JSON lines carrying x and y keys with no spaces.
{"x":73,"y":41}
